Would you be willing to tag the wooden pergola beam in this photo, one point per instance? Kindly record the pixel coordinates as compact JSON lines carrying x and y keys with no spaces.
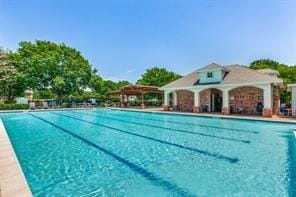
{"x":135,"y":90}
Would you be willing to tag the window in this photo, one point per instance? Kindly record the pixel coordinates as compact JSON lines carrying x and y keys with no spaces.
{"x":210,"y":74}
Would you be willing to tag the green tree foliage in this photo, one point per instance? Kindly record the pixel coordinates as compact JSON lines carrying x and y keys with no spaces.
{"x":11,"y":82}
{"x":46,"y":64}
{"x":287,"y":73}
{"x":264,"y":63}
{"x":43,"y":94}
{"x":96,"y":82}
{"x":157,"y":77}
{"x":122,"y":83}
{"x":109,"y":85}
{"x":100,"y":86}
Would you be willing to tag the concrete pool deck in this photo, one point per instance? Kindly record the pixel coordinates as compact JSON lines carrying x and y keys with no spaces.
{"x":12,"y":179}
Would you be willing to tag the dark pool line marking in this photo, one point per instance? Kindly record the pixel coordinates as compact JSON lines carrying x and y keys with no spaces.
{"x":200,"y":125}
{"x":205,"y":153}
{"x":167,"y":128}
{"x":153,"y":178}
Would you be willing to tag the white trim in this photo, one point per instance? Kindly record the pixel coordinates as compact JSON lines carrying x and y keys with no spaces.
{"x":217,"y":86}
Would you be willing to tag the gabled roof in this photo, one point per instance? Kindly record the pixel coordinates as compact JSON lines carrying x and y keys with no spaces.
{"x":269,"y":71}
{"x":236,"y":74}
{"x":212,"y":66}
{"x":243,"y":74}
{"x":188,"y":80}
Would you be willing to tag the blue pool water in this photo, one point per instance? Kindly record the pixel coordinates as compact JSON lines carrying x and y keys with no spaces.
{"x":120,"y":153}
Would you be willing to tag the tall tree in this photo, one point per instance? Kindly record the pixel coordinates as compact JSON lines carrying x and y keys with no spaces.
{"x":11,"y":82}
{"x":122,"y":83}
{"x":264,"y":63}
{"x":157,"y":77}
{"x":46,"y":64}
{"x":287,"y":73}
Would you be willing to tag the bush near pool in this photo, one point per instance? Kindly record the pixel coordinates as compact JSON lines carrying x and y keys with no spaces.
{"x":13,"y":106}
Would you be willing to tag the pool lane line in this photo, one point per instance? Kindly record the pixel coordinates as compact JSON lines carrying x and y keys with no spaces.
{"x":205,"y":153}
{"x":167,"y":128}
{"x":153,"y":178}
{"x":192,"y":124}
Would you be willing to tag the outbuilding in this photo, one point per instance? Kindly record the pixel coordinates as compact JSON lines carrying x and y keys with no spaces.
{"x":225,"y":89}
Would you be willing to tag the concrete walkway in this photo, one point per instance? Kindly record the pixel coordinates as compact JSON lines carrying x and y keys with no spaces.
{"x":12,"y":180}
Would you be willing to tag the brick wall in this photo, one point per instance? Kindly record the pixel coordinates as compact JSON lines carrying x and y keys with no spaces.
{"x":205,"y":98}
{"x":245,"y":98}
{"x":185,"y":100}
{"x":276,"y":99}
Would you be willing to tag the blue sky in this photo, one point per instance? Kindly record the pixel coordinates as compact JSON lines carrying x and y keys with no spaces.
{"x":124,"y":38}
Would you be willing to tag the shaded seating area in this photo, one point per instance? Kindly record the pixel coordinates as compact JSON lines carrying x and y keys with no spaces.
{"x":134,"y":90}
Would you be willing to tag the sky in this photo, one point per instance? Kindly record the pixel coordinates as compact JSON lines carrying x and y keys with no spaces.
{"x":123,"y":38}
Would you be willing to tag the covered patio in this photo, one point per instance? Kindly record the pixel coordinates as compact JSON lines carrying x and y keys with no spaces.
{"x":134,"y":90}
{"x":236,"y":99}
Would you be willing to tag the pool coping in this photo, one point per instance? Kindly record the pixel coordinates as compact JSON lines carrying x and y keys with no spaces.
{"x":12,"y":179}
{"x":250,"y":118}
{"x":50,"y":109}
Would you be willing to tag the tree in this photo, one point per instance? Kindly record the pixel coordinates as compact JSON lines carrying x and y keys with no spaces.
{"x":264,"y":63}
{"x":122,"y":83}
{"x":287,"y":73}
{"x":96,"y":83}
{"x":11,"y":82}
{"x":157,"y":77}
{"x":46,"y":64}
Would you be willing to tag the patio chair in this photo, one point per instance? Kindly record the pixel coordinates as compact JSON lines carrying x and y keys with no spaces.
{"x":73,"y":104}
{"x":94,"y":102}
{"x":53,"y":104}
{"x":283,"y":111}
{"x":45,"y":105}
{"x":84,"y":104}
{"x":32,"y":105}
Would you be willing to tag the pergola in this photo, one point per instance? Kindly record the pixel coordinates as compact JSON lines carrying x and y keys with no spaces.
{"x":135,"y":90}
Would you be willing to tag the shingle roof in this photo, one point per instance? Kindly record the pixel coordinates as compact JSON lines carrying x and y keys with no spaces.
{"x":236,"y":74}
{"x":243,"y":74}
{"x":210,"y":67}
{"x":269,"y":71}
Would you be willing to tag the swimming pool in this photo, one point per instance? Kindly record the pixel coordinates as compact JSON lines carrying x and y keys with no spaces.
{"x":118,"y":153}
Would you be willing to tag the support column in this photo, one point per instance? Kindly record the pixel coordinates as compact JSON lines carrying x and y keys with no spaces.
{"x":225,"y":102}
{"x":267,"y":98}
{"x":175,"y":101}
{"x":142,"y":101}
{"x":166,"y":106}
{"x":196,"y":107}
{"x":122,"y":99}
{"x":294,"y":101}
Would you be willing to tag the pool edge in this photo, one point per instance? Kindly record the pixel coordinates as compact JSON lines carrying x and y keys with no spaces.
{"x":12,"y":179}
{"x":218,"y":116}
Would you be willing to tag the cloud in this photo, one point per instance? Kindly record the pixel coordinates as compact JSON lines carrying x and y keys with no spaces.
{"x":130,"y":71}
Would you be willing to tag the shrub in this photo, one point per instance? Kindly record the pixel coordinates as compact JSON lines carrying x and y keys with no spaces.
{"x":13,"y":106}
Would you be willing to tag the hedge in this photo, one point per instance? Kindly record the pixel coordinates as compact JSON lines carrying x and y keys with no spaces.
{"x":13,"y":106}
